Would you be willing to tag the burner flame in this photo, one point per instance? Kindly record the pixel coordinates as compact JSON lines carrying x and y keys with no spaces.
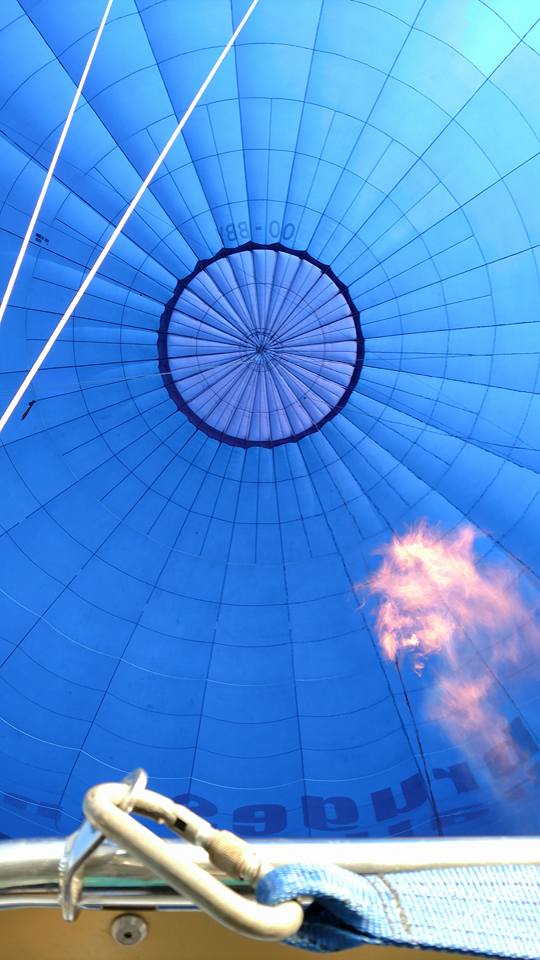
{"x":435,"y":598}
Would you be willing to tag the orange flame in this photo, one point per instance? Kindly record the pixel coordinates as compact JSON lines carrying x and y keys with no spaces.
{"x":435,"y":598}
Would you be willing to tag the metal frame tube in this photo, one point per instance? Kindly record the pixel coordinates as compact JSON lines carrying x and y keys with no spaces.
{"x":29,"y":869}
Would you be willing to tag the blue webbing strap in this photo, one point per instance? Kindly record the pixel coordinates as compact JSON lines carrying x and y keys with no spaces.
{"x":485,"y":910}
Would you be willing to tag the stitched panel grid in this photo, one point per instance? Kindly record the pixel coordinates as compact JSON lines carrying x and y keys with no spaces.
{"x":260,"y":346}
{"x":177,"y":601}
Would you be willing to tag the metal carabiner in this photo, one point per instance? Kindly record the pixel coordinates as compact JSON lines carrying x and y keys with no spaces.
{"x":80,"y":846}
{"x":108,"y":809}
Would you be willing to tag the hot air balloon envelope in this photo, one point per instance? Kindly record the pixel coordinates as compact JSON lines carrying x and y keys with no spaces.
{"x":318,"y":330}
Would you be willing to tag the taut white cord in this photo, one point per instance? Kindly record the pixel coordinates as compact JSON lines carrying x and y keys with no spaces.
{"x":52,"y":167}
{"x":120,"y":226}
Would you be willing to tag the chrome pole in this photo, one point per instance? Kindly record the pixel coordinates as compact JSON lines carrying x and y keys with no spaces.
{"x":29,"y":869}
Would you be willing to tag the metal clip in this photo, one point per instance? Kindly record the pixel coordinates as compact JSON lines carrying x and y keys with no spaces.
{"x":80,"y":846}
{"x":108,"y":812}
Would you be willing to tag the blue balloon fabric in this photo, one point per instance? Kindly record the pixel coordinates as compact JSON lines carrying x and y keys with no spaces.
{"x":260,"y":346}
{"x":319,"y":327}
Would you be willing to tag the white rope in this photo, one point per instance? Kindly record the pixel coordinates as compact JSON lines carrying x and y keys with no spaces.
{"x":52,"y":168}
{"x":120,"y":226}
